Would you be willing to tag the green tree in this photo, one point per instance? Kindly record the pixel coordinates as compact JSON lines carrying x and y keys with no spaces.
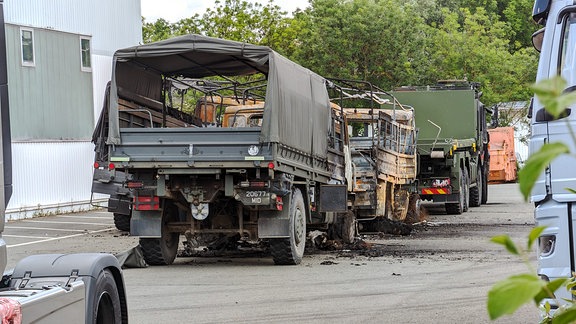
{"x":518,"y":15}
{"x":155,"y":31}
{"x":369,"y":40}
{"x":478,"y":50}
{"x":236,"y":20}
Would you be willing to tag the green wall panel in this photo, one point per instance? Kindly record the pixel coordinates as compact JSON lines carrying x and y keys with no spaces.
{"x":53,"y":99}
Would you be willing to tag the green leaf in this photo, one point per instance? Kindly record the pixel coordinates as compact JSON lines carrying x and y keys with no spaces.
{"x":547,"y":308}
{"x":507,"y":242}
{"x":549,"y":92}
{"x":563,"y":101}
{"x":570,"y":190}
{"x":570,"y":285}
{"x":565,"y":316}
{"x":534,"y":234}
{"x":549,"y":289}
{"x":536,"y":164}
{"x":508,"y":295}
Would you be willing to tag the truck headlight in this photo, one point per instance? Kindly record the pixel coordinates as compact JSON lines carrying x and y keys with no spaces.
{"x":546,"y":244}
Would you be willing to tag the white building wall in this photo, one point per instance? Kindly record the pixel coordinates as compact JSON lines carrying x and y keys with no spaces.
{"x":100,"y":78}
{"x":113,"y":24}
{"x":50,"y":177}
{"x":56,"y":176}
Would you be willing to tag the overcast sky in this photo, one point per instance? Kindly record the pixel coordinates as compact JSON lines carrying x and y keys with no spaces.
{"x":174,"y":10}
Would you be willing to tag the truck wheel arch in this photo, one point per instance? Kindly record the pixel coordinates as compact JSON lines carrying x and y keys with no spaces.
{"x":87,"y":266}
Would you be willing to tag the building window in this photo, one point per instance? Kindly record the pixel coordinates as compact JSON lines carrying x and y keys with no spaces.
{"x":85,"y":54}
{"x":27,"y":44}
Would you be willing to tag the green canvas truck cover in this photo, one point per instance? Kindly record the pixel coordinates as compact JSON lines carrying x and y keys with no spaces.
{"x":454,"y":111}
{"x":297,"y":108}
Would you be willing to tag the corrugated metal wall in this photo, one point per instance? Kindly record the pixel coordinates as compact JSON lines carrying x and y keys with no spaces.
{"x":50,"y":177}
{"x":100,"y":77}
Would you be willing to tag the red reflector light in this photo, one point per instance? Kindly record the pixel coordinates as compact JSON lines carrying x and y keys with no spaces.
{"x":279,"y":203}
{"x":111,"y":166}
{"x":96,"y":165}
{"x":257,"y":184}
{"x":271,"y":165}
{"x":134,"y":184}
{"x":147,"y":203}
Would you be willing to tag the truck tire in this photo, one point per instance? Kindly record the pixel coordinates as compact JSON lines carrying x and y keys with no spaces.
{"x":458,"y":208}
{"x":343,"y":228}
{"x":466,"y":190}
{"x":289,"y":251}
{"x":122,"y":222}
{"x":476,"y":192}
{"x":163,"y":250}
{"x":484,"y":188}
{"x":106,"y":307}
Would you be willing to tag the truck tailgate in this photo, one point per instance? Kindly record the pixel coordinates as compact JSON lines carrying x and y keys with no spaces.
{"x":185,"y":147}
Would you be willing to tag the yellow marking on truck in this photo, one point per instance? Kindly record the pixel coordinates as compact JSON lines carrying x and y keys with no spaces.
{"x":438,"y":191}
{"x":253,"y":158}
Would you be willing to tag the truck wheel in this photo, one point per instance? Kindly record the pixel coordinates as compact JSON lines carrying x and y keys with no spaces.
{"x":163,"y":250}
{"x":106,"y":303}
{"x":484,"y":187}
{"x":458,"y":208}
{"x":343,"y":228}
{"x":476,"y":192}
{"x":122,"y":222}
{"x":466,"y":190}
{"x":291,"y":250}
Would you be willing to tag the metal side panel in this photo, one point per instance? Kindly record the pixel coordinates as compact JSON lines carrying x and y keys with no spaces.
{"x":61,"y":270}
{"x":557,"y":261}
{"x":555,"y":216}
{"x":51,"y":306}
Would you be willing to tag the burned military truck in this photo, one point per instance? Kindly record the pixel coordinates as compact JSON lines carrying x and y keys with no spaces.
{"x":380,"y":150}
{"x":195,"y":165}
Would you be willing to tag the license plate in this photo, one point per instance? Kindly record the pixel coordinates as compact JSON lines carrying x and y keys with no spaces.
{"x":440,"y":183}
{"x":255,"y":197}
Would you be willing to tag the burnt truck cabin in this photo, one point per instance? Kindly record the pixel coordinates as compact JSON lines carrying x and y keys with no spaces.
{"x":215,"y":138}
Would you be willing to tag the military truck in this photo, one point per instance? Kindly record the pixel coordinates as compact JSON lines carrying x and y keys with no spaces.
{"x":380,"y":146}
{"x":52,"y":288}
{"x":204,"y":171}
{"x":453,"y":157}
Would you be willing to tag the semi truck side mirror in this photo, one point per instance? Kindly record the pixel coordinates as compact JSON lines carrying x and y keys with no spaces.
{"x":541,"y":10}
{"x":537,"y":39}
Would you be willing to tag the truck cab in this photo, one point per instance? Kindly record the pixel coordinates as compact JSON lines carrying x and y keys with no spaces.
{"x":453,"y":155}
{"x":554,"y":203}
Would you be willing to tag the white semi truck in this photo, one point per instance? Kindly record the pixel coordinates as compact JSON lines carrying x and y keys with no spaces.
{"x":555,"y":204}
{"x":52,"y":288}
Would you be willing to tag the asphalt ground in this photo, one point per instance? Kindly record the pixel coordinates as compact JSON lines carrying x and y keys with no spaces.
{"x":441,"y":273}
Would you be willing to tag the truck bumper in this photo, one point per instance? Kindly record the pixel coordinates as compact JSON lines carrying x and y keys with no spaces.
{"x":451,"y":198}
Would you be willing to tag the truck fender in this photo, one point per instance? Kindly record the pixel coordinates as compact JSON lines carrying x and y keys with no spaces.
{"x":98,"y":271}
